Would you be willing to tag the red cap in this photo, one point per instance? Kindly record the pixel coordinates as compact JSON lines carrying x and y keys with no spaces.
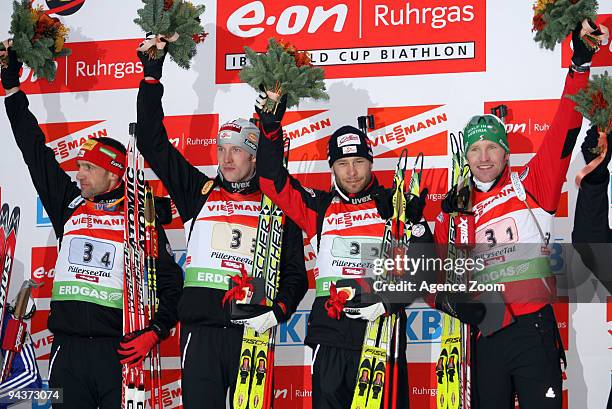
{"x":103,"y":155}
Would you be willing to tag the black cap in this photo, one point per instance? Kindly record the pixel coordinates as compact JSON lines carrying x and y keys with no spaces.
{"x":348,"y":141}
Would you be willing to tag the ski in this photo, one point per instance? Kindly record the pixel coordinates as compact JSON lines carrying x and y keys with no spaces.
{"x":452,"y":368}
{"x":152,"y":253}
{"x":16,"y":329}
{"x":9,"y":226}
{"x":378,"y":370}
{"x":254,"y":385}
{"x":133,"y":390}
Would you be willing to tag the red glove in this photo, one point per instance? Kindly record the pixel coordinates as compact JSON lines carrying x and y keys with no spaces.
{"x":135,"y":346}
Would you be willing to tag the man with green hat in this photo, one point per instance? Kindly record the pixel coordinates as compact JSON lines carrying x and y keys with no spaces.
{"x":512,"y":219}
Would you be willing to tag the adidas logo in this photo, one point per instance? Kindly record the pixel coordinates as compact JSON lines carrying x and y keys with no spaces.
{"x":550,"y":393}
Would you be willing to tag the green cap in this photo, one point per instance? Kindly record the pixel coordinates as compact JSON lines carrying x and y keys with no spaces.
{"x":485,"y":128}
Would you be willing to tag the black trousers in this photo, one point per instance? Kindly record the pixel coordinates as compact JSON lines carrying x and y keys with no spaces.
{"x":524,"y":358}
{"x":88,"y":371}
{"x":209,"y":361}
{"x":334,"y":377}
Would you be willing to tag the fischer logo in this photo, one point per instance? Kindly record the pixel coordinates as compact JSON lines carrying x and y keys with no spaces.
{"x":389,"y":38}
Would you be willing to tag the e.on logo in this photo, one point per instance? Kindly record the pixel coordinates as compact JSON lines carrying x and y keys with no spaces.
{"x":390,"y":38}
{"x":246,"y":21}
{"x":43,"y":270}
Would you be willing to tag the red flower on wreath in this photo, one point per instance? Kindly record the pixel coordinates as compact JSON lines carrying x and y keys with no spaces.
{"x":301,"y":57}
{"x":199,"y":37}
{"x":538,"y":22}
{"x":599,"y":102}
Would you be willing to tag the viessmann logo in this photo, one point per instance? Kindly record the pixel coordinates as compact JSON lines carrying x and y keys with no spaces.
{"x":391,"y":39}
{"x":66,"y":139}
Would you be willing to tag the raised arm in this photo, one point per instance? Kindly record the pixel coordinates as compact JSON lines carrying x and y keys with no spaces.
{"x":548,"y":168}
{"x":300,"y":203}
{"x":54,"y":186}
{"x":183,"y":181}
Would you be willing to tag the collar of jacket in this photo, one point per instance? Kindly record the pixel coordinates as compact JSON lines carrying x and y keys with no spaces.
{"x":246,"y":187}
{"x":504,"y":175}
{"x":370,"y":192}
{"x":109,"y":201}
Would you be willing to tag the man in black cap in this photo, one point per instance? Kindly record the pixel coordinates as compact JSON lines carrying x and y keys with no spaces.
{"x":343,"y":225}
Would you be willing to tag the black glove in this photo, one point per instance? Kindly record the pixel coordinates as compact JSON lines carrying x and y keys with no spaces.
{"x":450,"y":204}
{"x":270,"y":121}
{"x":415,"y":206}
{"x":10,"y":73}
{"x":460,"y":306}
{"x":152,"y":67}
{"x":589,"y":151}
{"x":583,"y":54}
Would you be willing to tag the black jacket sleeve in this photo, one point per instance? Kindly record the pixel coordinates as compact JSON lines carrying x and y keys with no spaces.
{"x":293,"y":281}
{"x":169,"y":286}
{"x":54,"y":186}
{"x":592,"y":237}
{"x":183,"y":181}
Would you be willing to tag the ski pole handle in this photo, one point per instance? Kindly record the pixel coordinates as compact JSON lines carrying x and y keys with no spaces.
{"x":500,"y":111}
{"x":365,"y":122}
